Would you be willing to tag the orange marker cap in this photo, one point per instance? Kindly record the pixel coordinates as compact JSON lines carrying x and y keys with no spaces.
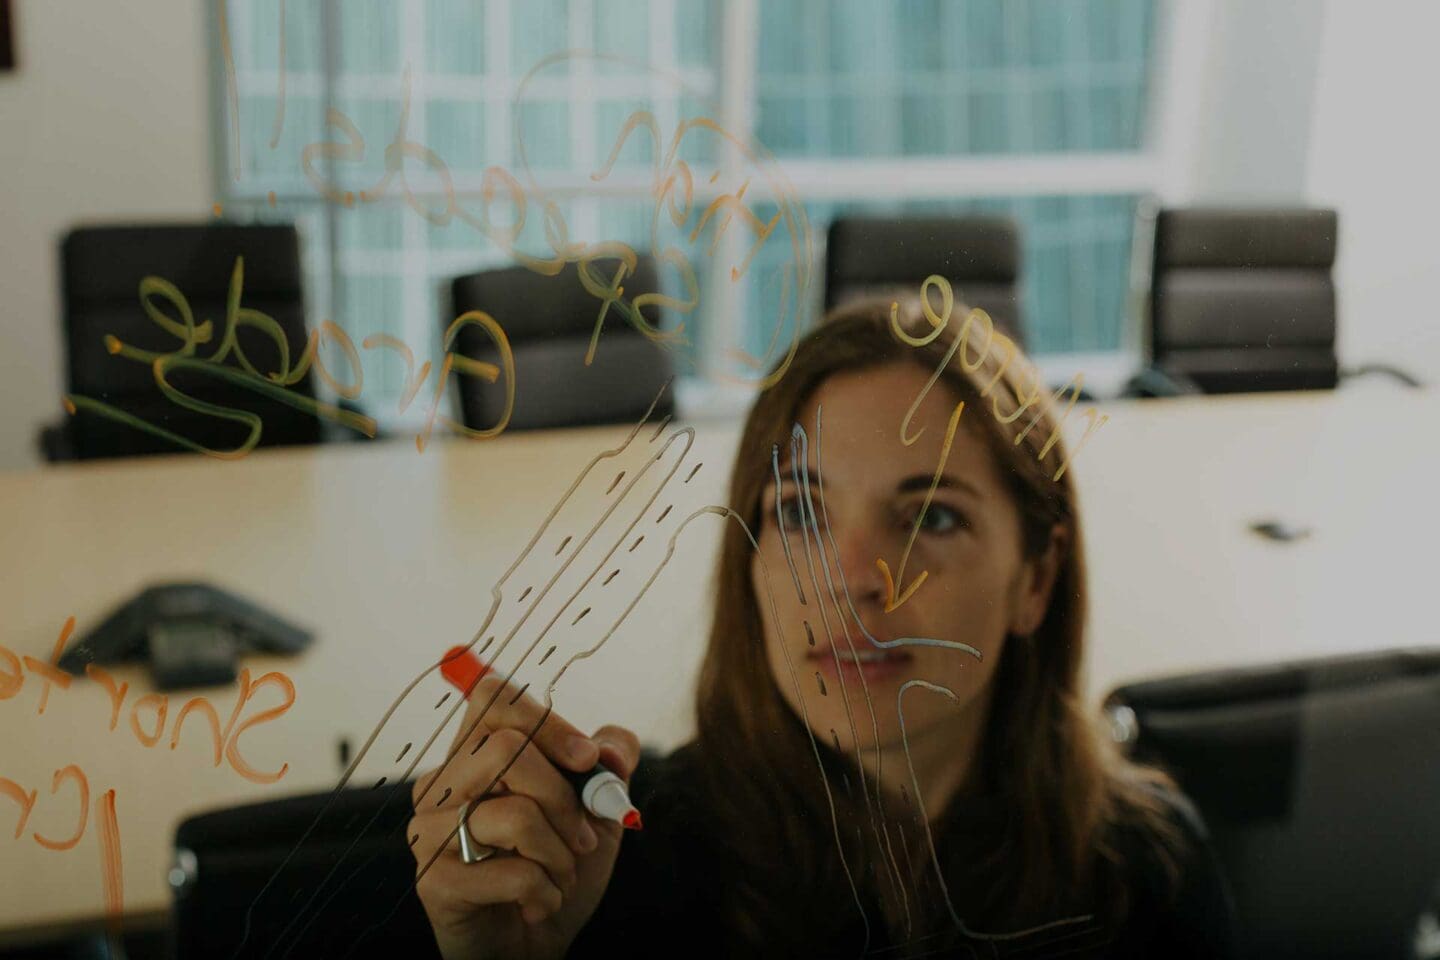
{"x":462,"y":668}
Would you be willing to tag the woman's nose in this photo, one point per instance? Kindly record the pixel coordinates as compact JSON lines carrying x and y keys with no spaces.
{"x":855,"y":550}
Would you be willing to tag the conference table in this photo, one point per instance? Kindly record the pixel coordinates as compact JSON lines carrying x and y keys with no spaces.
{"x":390,"y":556}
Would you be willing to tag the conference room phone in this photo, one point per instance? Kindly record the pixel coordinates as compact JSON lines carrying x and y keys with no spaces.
{"x":192,"y":634}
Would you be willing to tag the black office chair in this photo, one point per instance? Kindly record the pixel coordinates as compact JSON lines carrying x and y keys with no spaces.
{"x":888,"y":256}
{"x":102,"y":268}
{"x":549,"y":322}
{"x":1241,"y":300}
{"x":1319,"y":783}
{"x":323,"y":875}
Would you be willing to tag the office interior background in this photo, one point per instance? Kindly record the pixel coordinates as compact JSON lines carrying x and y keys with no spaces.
{"x":1075,"y":120}
{"x":1062,"y":116}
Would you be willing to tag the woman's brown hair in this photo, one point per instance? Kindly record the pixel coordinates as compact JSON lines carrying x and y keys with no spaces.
{"x":1069,"y":791}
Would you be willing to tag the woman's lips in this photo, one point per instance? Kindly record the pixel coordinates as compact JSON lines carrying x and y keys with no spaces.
{"x":869,"y":662}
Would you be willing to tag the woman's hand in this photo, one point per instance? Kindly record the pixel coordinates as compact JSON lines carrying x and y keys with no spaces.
{"x":532,"y":897}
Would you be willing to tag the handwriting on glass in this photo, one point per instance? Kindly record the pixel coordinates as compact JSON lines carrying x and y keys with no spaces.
{"x":147,"y":720}
{"x":671,"y":176}
{"x":896,"y":592}
{"x":673,"y":191}
{"x":276,"y":383}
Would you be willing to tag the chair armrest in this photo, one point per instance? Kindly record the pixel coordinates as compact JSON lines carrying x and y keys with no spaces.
{"x":56,"y":443}
{"x":1385,"y":368}
{"x":1156,"y":381}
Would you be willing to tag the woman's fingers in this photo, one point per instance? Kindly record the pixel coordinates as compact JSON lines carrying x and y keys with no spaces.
{"x":513,"y":823}
{"x":531,"y":774}
{"x":517,"y":823}
{"x":450,"y":886}
{"x":498,"y":704}
{"x":506,"y":756}
{"x":552,"y":860}
{"x":619,"y":749}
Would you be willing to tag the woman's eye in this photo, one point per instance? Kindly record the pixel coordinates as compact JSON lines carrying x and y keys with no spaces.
{"x":940,"y":519}
{"x":792,"y":512}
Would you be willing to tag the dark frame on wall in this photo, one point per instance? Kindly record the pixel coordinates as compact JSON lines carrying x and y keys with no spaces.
{"x":7,"y":41}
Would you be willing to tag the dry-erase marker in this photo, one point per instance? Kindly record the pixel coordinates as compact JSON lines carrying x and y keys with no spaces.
{"x":601,"y":790}
{"x":603,"y":793}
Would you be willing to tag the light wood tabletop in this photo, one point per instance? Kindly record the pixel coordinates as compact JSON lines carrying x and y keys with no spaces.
{"x":391,"y":556}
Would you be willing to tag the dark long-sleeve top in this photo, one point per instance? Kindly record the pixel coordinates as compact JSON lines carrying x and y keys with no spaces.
{"x":662,"y":898}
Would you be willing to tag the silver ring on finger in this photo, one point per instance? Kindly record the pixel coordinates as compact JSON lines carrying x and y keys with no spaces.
{"x":471,"y":850}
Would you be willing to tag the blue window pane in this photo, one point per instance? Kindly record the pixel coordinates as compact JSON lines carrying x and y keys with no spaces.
{"x":697,"y":29}
{"x":375,"y":230}
{"x":784,"y":46}
{"x":370,"y":38}
{"x":622,"y":29}
{"x":544,"y":131}
{"x":376,"y":120}
{"x":1102,"y":32}
{"x":625,"y":221}
{"x":922,"y":123}
{"x":278,"y":167}
{"x":259,"y":47}
{"x":1132,"y":113}
{"x":1050,"y":121}
{"x":773,"y":306}
{"x":852,"y":125}
{"x":1047,"y":268}
{"x":545,"y":217}
{"x":857,"y":35}
{"x":372,"y":304}
{"x":919,"y":45}
{"x":698,"y":146}
{"x":457,"y":133}
{"x":982,"y":34}
{"x":540,"y":30}
{"x":988,"y":122}
{"x":862,"y":64}
{"x":1045,"y":38}
{"x":454,"y":37}
{"x":1108,"y":117}
{"x":305,"y":40}
{"x":459,"y":235}
{"x":787,"y":125}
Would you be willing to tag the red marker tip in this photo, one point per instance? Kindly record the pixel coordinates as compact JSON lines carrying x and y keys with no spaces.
{"x":632,"y":820}
{"x":462,"y":668}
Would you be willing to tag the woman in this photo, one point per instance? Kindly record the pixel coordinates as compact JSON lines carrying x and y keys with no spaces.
{"x":893,"y":754}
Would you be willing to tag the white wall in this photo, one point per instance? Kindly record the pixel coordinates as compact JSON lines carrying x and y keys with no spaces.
{"x":1324,"y":104}
{"x":106,"y":117}
{"x":1375,"y":155}
{"x":1252,"y":128}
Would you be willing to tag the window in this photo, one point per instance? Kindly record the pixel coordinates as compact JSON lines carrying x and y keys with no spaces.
{"x":852,"y":94}
{"x":1029,"y":108}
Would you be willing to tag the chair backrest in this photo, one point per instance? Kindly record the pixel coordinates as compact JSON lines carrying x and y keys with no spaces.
{"x":1242,"y":299}
{"x":319,"y":875}
{"x":1319,"y":783}
{"x":549,"y":322}
{"x":888,"y":256}
{"x":102,"y":267}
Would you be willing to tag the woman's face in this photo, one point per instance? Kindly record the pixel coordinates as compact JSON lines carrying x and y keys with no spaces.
{"x":978,"y":585}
